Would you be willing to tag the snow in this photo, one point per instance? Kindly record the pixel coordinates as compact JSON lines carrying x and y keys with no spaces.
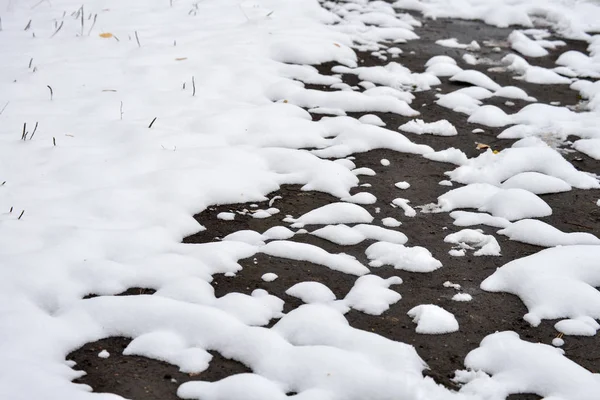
{"x":371,"y":294}
{"x":453,"y":43}
{"x":385,"y":162}
{"x":226,"y":216}
{"x":392,"y":222}
{"x":403,"y":204}
{"x":104,"y":354}
{"x":558,"y":342}
{"x":346,"y":236}
{"x":514,"y":204}
{"x":590,"y":147}
{"x":539,"y":233}
{"x":403,"y":185}
{"x":539,"y":369}
{"x":306,"y":252}
{"x":496,"y":168}
{"x":568,"y":289}
{"x":333,"y":213}
{"x":469,"y":218}
{"x":509,"y":204}
{"x":537,"y":183}
{"x":443,"y":69}
{"x":451,"y":155}
{"x":438,"y":128}
{"x":521,"y":43}
{"x":372,"y":120}
{"x":413,"y":259}
{"x":108,"y":199}
{"x":476,"y":78}
{"x":489,"y":115}
{"x":269,"y":277}
{"x":433,"y":320}
{"x":580,"y":326}
{"x":488,"y":245}
{"x":462,"y":297}
{"x":311,"y":292}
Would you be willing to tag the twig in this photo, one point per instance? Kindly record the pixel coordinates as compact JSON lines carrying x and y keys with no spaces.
{"x":152,"y":123}
{"x":4,"y":108}
{"x":121,"y":110}
{"x":137,"y":39}
{"x":34,"y":129}
{"x":3,"y":183}
{"x":0,"y":24}
{"x":183,"y":86}
{"x":53,"y":140}
{"x":24,"y":134}
{"x":11,"y":209}
{"x":82,"y":23}
{"x":58,"y":29}
{"x":20,"y":215}
{"x":51,"y":92}
{"x":28,"y":25}
{"x":93,"y":24}
{"x":193,"y":87}
{"x":30,"y":62}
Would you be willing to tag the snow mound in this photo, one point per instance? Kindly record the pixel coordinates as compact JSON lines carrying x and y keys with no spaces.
{"x":581,"y":326}
{"x":539,"y":233}
{"x":537,"y":183}
{"x":539,"y":368}
{"x":433,"y":320}
{"x":371,"y":294}
{"x":438,"y":128}
{"x":553,"y":283}
{"x":311,"y":292}
{"x":476,"y":78}
{"x":513,"y":204}
{"x":413,"y":259}
{"x":488,"y":245}
{"x":334,"y":213}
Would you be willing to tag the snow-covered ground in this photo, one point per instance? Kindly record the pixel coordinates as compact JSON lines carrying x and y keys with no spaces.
{"x":120,"y":120}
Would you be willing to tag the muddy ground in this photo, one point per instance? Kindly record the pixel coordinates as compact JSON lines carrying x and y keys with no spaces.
{"x":140,"y":378}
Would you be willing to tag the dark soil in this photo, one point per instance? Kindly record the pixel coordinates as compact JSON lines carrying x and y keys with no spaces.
{"x":140,"y":378}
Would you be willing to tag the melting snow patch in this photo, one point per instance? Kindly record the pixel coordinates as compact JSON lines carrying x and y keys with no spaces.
{"x":433,"y":320}
{"x":104,"y":354}
{"x":488,"y":245}
{"x":580,"y":326}
{"x":539,"y":233}
{"x":371,"y":294}
{"x":462,"y":297}
{"x":394,"y":223}
{"x":269,"y":277}
{"x":539,"y":368}
{"x":438,"y":128}
{"x":403,"y":203}
{"x":334,"y":213}
{"x":453,"y":43}
{"x":476,"y":78}
{"x":385,"y":162}
{"x":413,"y":259}
{"x":553,"y":283}
{"x":402,"y":185}
{"x":226,"y":216}
{"x":311,"y":292}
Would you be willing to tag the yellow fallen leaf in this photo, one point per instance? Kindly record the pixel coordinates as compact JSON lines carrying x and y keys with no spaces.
{"x":285,"y":101}
{"x":106,"y":35}
{"x":495,"y":152}
{"x":180,"y":58}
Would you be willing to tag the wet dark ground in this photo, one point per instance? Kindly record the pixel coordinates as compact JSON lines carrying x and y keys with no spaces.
{"x":141,"y":378}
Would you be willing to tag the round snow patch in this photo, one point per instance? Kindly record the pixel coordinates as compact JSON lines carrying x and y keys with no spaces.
{"x":385,"y":162}
{"x":104,"y":354}
{"x":269,"y":277}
